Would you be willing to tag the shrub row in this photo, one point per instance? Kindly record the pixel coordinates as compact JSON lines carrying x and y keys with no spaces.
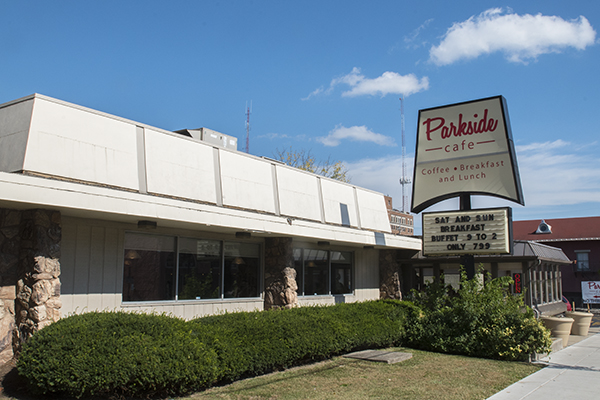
{"x":480,"y":320}
{"x":128,"y":354}
{"x":141,"y":355}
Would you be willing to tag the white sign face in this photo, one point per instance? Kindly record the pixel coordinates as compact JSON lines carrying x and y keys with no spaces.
{"x":465,"y":148}
{"x":590,"y":291}
{"x":467,"y":232}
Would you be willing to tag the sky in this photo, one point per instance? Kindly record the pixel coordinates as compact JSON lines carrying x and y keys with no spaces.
{"x":327,"y":77}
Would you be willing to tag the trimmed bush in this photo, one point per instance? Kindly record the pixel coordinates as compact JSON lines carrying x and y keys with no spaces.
{"x":255,"y":343}
{"x":479,"y":320}
{"x":117,"y":353}
{"x":125,"y":354}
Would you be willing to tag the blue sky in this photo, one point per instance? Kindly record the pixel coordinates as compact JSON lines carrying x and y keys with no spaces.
{"x":326,"y":76}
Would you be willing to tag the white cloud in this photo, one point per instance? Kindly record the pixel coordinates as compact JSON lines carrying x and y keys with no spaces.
{"x":388,"y":83}
{"x":519,"y":37}
{"x":543,"y":146}
{"x":355,"y":133}
{"x":553,"y":174}
{"x":412,"y":37}
{"x":273,"y":136}
{"x":315,"y":92}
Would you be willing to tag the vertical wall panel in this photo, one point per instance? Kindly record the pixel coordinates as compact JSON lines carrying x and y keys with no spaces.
{"x":82,"y":260}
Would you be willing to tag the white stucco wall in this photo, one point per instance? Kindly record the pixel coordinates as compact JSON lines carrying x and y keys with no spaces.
{"x":72,"y":143}
{"x":14,"y":131}
{"x":298,"y":193}
{"x":179,"y":167}
{"x":53,"y":138}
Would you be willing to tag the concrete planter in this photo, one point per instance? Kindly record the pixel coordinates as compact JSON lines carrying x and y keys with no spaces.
{"x":559,"y":327}
{"x":581,"y":326}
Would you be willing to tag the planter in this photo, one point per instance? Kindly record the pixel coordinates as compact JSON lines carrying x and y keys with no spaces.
{"x":559,"y":327}
{"x":581,"y":326}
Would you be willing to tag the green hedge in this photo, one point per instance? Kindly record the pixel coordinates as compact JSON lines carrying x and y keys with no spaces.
{"x":127,"y":354}
{"x":479,"y":321}
{"x":141,"y":355}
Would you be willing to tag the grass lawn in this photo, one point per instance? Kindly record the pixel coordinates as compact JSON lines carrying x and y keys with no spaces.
{"x":425,"y":376}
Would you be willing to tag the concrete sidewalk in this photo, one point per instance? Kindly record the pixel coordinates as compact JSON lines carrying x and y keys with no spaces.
{"x":571,"y":373}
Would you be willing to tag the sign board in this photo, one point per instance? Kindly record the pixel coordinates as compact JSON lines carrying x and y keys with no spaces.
{"x":485,"y":231}
{"x":518,"y":279}
{"x":590,"y":291}
{"x":465,"y":148}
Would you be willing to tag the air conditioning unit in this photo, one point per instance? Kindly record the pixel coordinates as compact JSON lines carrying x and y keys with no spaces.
{"x":213,"y":137}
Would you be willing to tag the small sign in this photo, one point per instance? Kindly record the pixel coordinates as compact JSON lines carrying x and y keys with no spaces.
{"x":485,"y":231}
{"x":517,"y":278}
{"x":590,"y":291}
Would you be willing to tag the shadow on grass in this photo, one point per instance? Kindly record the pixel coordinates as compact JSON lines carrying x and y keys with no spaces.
{"x":269,"y":379}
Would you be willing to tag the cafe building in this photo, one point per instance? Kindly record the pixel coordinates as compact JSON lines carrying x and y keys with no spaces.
{"x":98,"y":212}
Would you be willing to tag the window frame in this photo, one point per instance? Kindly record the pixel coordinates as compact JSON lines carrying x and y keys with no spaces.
{"x":587,"y":261}
{"x":301,"y":277}
{"x":177,"y":238}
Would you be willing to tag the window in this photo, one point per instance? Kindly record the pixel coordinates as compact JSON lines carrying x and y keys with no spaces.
{"x":175,"y":268}
{"x":583,"y":260}
{"x":149,"y":268}
{"x":322,"y":272}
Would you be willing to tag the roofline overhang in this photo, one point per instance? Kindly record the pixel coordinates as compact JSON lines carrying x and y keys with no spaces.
{"x":73,"y":199}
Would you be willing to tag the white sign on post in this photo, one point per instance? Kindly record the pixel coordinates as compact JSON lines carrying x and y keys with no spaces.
{"x":465,"y":148}
{"x":590,"y":291}
{"x":485,"y":231}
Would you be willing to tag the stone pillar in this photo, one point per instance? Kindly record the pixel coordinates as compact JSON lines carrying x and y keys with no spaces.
{"x":389,"y":275}
{"x":10,"y":222}
{"x":280,"y":276}
{"x":38,"y":286}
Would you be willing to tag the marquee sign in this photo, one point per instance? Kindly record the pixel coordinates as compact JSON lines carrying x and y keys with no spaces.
{"x":485,"y":231}
{"x":465,"y":148}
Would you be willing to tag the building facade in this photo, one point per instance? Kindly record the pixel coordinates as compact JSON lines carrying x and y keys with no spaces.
{"x":579,"y":238}
{"x":401,"y":223}
{"x":535,"y":269}
{"x":98,"y":212}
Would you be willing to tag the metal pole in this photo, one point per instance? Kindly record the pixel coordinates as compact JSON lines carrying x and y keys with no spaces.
{"x":467,"y":260}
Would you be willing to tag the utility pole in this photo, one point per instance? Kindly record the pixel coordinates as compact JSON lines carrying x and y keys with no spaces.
{"x":248,"y":111}
{"x":404,"y":180}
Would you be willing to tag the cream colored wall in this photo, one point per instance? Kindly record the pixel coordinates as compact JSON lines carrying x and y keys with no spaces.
{"x":92,"y":275}
{"x":109,"y":151}
{"x":14,"y":129}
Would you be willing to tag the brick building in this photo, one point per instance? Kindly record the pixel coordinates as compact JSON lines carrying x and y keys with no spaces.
{"x":579,"y":238}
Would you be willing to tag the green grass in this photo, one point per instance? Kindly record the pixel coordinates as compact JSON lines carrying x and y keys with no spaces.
{"x":426,"y":376}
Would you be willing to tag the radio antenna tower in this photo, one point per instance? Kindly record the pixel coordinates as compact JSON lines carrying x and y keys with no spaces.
{"x":404,"y":180}
{"x":248,"y":112}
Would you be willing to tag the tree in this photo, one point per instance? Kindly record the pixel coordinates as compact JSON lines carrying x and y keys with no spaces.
{"x":304,"y":160}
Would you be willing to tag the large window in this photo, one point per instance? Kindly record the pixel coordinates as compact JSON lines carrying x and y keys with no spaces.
{"x":321,"y":272}
{"x":176,"y":268}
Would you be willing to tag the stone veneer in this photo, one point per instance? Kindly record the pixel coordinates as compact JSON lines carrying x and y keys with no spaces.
{"x":29,"y":275}
{"x":389,"y":275}
{"x":281,"y":289}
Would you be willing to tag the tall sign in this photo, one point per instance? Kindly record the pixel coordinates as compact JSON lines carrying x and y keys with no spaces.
{"x":465,"y":148}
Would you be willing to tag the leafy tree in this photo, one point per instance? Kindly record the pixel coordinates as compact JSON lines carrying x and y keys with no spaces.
{"x":304,"y":160}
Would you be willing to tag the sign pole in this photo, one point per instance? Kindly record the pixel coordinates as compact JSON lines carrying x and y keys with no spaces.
{"x":467,"y":260}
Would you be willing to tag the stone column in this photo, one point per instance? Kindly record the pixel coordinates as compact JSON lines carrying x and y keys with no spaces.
{"x":280,"y":276}
{"x":389,"y":275}
{"x":10,"y":222}
{"x":38,"y":286}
